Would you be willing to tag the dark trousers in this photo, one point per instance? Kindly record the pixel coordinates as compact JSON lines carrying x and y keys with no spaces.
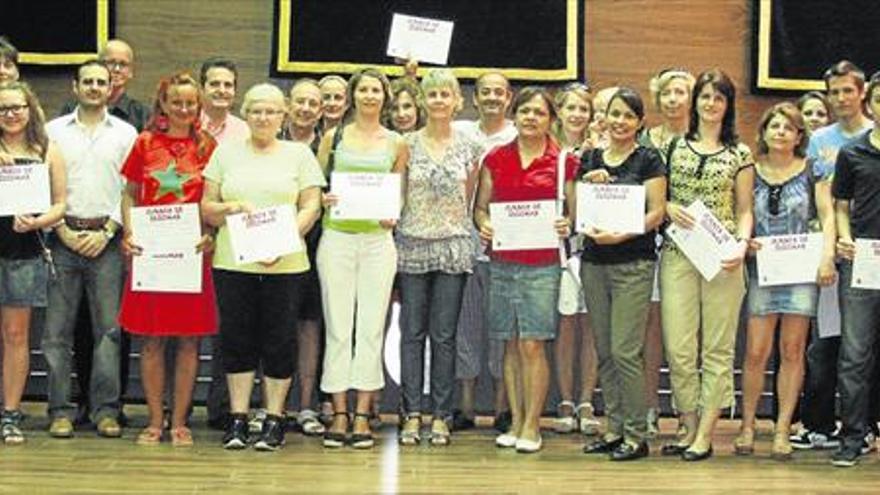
{"x":860,"y":312}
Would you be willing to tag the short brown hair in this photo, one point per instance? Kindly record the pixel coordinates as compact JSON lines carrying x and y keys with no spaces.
{"x":792,"y":114}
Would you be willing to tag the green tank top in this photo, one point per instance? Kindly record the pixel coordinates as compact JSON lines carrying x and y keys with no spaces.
{"x":348,"y":160}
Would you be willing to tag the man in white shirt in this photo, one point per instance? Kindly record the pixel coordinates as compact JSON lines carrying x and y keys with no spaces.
{"x":86,"y":251}
{"x":492,"y":97}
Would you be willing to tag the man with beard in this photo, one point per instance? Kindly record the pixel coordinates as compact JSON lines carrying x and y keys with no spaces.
{"x":86,"y":251}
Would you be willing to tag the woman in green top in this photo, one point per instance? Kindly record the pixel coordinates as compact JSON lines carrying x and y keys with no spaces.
{"x":357,"y":259}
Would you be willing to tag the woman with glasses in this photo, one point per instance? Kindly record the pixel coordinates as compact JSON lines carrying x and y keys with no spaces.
{"x":700,"y":317}
{"x":24,"y":270}
{"x":357,"y":260}
{"x":574,"y":106}
{"x":171,"y":145}
{"x":259,"y":302}
{"x":791,"y":197}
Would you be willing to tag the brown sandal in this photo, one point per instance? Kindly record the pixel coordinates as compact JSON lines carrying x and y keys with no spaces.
{"x":149,"y":436}
{"x":181,"y":437}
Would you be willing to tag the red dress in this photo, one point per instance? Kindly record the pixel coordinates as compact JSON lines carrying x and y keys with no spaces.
{"x":169,"y":171}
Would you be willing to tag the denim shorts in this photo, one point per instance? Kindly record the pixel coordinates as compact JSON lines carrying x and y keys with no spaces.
{"x":24,"y":282}
{"x":796,"y":299}
{"x":523,"y":301}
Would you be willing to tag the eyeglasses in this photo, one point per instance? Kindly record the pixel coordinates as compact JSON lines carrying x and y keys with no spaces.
{"x":773,"y":197}
{"x":264,"y":112}
{"x":116,"y":64}
{"x":13,"y":110}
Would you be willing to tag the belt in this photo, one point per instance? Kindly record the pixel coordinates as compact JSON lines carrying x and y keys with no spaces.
{"x":77,"y":223}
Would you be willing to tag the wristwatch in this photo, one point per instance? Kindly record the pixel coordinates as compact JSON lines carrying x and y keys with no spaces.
{"x":109,"y":232}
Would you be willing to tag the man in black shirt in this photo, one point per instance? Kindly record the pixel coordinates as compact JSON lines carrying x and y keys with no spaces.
{"x":856,"y":191}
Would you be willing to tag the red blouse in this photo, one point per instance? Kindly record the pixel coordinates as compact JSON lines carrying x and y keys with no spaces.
{"x":512,"y":182}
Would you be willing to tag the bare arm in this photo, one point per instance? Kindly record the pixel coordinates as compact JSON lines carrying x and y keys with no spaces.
{"x":655,"y":193}
{"x":308,"y":207}
{"x":846,"y":245}
{"x":214,"y":210}
{"x":481,"y":205}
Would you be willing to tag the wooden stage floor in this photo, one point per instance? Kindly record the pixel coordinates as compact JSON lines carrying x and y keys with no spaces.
{"x":87,"y":464}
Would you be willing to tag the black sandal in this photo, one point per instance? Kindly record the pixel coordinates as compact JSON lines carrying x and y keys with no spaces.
{"x":336,"y":439}
{"x":362,"y":440}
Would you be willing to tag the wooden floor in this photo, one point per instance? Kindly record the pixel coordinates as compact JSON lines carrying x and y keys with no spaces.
{"x":87,"y":464}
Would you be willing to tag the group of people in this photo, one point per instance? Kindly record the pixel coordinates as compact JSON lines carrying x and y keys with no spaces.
{"x":319,"y":314}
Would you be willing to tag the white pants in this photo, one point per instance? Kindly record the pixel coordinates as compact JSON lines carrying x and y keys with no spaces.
{"x":356,"y":271}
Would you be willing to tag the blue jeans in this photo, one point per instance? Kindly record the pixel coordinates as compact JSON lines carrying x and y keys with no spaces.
{"x":860,"y":314}
{"x":101,"y":278}
{"x":429,"y":307}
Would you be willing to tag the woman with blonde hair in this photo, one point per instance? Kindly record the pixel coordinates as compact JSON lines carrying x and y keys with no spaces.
{"x":435,"y":252}
{"x":574,"y":106}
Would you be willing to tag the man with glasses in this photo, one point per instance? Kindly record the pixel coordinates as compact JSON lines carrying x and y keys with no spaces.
{"x":846,"y":90}
{"x":86,"y":251}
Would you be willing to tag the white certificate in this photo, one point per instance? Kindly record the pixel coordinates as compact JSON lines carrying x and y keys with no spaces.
{"x":264,"y":234}
{"x":24,"y":189}
{"x":365,"y":196}
{"x":523,"y":225}
{"x":611,"y":207}
{"x":866,"y":265}
{"x":426,"y":40}
{"x":789,"y":259}
{"x":707,"y":244}
{"x":168,"y":236}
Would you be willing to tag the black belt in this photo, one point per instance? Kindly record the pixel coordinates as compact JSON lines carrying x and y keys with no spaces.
{"x":76,"y":223}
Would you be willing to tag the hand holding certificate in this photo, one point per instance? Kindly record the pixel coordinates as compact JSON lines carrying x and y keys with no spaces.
{"x":365,"y":196}
{"x":264,"y":235}
{"x":789,"y":259}
{"x":24,"y":189}
{"x":866,"y":265}
{"x":611,"y":208}
{"x":167,"y":236}
{"x":524,"y":225}
{"x":707,"y":243}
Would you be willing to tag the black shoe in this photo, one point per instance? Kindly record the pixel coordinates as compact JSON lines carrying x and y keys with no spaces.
{"x":272,"y":436}
{"x":362,"y":440}
{"x":673,"y":449}
{"x":461,"y":422}
{"x":693,"y":456}
{"x":629,"y":452}
{"x":602,"y":446}
{"x":219,"y":423}
{"x":846,"y":456}
{"x":335,"y":439}
{"x":236,"y":437}
{"x":503,"y":422}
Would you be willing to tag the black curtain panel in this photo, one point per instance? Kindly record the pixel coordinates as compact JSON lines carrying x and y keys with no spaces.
{"x":537,"y":40}
{"x":796,"y":40}
{"x":57,"y":33}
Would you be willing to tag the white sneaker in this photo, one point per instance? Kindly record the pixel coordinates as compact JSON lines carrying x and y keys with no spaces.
{"x":308,"y":421}
{"x":564,"y":423}
{"x":587,"y":422}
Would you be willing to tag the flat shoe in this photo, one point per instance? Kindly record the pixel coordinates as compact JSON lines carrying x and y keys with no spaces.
{"x":505,"y":440}
{"x":149,"y":436}
{"x":525,"y":446}
{"x":673,"y":449}
{"x":602,"y":446}
{"x":181,"y":437}
{"x":744,"y":444}
{"x":694,"y":456}
{"x":629,"y":452}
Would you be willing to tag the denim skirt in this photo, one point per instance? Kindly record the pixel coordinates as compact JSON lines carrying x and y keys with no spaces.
{"x":523,"y":301}
{"x":24,"y":282}
{"x":795,"y":299}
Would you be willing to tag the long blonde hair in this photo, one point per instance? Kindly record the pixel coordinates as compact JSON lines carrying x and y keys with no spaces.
{"x":35,"y":133}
